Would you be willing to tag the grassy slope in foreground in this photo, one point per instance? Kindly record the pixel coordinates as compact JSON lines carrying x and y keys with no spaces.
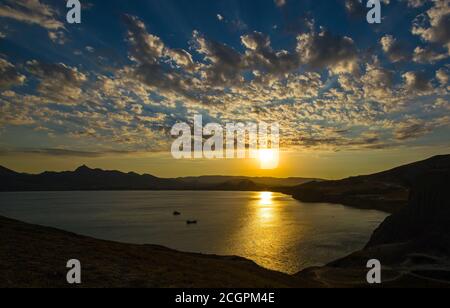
{"x":34,"y":256}
{"x":386,"y":191}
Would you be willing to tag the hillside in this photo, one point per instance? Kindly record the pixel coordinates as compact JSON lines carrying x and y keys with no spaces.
{"x":413,"y":245}
{"x":34,"y":256}
{"x":386,"y":191}
{"x":85,"y":178}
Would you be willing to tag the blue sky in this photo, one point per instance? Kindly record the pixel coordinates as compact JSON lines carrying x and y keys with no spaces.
{"x":116,"y":83}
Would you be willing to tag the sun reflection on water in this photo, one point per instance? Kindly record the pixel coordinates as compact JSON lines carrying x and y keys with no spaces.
{"x":266,"y":207}
{"x":265,"y":198}
{"x":263,"y":234}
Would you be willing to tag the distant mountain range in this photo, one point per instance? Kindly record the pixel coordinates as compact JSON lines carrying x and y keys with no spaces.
{"x":85,"y":178}
{"x":387,"y":191}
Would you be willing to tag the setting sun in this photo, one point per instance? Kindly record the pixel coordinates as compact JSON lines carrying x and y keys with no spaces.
{"x":268,"y":158}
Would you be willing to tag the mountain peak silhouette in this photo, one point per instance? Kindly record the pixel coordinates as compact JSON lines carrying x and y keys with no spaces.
{"x":83,"y":168}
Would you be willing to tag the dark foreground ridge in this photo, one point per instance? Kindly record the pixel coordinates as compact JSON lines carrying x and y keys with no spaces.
{"x":34,"y":256}
{"x":386,"y":191}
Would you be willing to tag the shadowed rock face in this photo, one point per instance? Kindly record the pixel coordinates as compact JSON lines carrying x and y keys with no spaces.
{"x":386,"y":191}
{"x":412,"y":245}
{"x":426,"y":216}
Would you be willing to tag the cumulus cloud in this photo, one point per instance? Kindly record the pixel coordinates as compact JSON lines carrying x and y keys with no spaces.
{"x":133,"y":106}
{"x":9,"y":76}
{"x":225,"y":63}
{"x":442,"y":77}
{"x":417,"y":81}
{"x":151,"y":56}
{"x":377,"y":82}
{"x":35,"y":13}
{"x":427,"y":55}
{"x":395,"y":51}
{"x":434,"y":25}
{"x":325,"y":50}
{"x":144,"y":47}
{"x":262,"y":59}
{"x":148,"y":49}
{"x":58,"y":83}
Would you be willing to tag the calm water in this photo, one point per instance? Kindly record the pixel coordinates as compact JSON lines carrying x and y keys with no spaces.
{"x":271,"y":229}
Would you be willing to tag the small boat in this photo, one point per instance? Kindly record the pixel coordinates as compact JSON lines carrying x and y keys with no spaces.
{"x":191,"y":222}
{"x":176,"y":213}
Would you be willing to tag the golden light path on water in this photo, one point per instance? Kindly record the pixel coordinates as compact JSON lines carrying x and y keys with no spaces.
{"x":266,"y":207}
{"x":280,"y":233}
{"x":261,"y":236}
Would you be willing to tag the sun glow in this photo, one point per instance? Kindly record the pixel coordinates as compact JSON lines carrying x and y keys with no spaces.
{"x":268,"y":158}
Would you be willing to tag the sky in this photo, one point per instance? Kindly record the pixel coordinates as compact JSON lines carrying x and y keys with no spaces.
{"x":350,"y":97}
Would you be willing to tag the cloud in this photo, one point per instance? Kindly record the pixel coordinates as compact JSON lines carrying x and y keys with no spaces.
{"x":442,"y":77}
{"x":434,"y":25}
{"x":395,"y":51}
{"x":377,"y":82}
{"x":133,"y":106}
{"x":34,"y":12}
{"x":262,"y":59}
{"x":148,"y":49}
{"x":58,"y":83}
{"x":357,"y":8}
{"x":151,"y":57}
{"x":428,"y":55}
{"x":415,"y":3}
{"x":324,"y":50}
{"x":9,"y":76}
{"x":225,"y":63}
{"x":59,"y":152}
{"x":280,"y":3}
{"x":145,"y":48}
{"x":417,"y":82}
{"x":413,"y":128}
